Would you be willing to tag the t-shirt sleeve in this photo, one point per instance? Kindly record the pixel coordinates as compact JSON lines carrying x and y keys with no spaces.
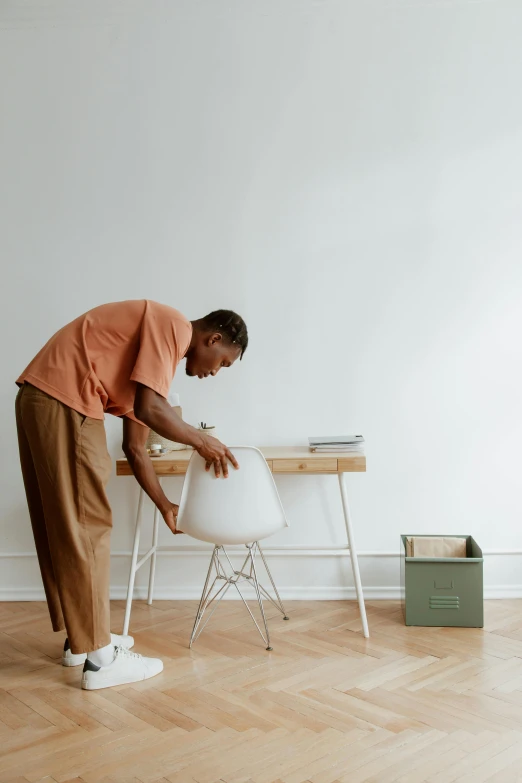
{"x":164,"y":340}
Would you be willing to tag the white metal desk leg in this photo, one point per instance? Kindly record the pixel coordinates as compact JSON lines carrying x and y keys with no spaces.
{"x":353,"y":554}
{"x":152,"y":572}
{"x":132,"y":575}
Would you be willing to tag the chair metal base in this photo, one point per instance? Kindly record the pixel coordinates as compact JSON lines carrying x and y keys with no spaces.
{"x":224,"y":579}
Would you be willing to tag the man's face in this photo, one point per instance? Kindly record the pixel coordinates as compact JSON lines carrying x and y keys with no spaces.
{"x":209,"y":355}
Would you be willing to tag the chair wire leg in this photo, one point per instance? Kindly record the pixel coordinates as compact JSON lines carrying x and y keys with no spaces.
{"x":207,"y":601}
{"x":248,"y":608}
{"x":249,"y":577}
{"x":259,"y":598}
{"x":241,"y":570}
{"x":280,"y":607}
{"x":223,"y":590}
{"x":246,"y":573}
{"x":203,"y":597}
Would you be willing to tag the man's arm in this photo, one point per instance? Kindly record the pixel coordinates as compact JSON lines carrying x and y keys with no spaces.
{"x":134,"y":437}
{"x":154,"y":411}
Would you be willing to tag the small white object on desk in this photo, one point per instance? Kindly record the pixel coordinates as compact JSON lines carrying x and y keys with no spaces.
{"x":158,"y":452}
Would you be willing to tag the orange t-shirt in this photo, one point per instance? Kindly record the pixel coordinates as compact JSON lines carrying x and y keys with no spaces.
{"x":93,"y":364}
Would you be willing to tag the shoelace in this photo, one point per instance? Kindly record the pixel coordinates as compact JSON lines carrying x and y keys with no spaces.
{"x":122,"y":652}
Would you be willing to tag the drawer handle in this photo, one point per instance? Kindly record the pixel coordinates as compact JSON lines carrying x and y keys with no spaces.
{"x":443,"y":587}
{"x":302,"y":466}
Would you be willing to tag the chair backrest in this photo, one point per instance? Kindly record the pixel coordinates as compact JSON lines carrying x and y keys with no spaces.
{"x":240,"y":509}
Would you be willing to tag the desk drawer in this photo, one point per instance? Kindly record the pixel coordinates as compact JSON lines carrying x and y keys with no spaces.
{"x":169,"y":469}
{"x":312,"y":465}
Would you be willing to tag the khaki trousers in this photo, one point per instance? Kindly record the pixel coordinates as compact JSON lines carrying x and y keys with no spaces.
{"x":66,"y":466}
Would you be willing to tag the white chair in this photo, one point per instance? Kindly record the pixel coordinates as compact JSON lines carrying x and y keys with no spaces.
{"x":242,"y":509}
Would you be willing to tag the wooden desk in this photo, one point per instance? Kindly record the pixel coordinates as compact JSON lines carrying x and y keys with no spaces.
{"x":282,"y":460}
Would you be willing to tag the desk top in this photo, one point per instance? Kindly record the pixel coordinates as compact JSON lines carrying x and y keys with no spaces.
{"x":280,"y":459}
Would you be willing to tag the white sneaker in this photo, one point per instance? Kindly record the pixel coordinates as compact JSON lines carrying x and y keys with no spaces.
{"x":70,"y":659}
{"x":126,"y":667}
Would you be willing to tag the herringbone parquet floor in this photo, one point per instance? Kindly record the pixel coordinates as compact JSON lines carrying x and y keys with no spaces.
{"x":327,"y":706}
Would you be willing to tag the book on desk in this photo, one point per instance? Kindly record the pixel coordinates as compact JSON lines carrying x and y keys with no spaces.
{"x":350,"y":444}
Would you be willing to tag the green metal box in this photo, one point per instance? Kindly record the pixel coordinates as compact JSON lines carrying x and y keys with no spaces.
{"x":443,"y":591}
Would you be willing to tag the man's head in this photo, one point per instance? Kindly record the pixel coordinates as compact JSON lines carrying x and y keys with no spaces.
{"x":217,"y":341}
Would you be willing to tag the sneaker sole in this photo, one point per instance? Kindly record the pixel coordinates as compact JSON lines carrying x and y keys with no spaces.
{"x":94,"y":686}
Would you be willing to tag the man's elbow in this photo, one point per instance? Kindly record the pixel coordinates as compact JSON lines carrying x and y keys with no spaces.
{"x":133,"y":451}
{"x":128,"y":449}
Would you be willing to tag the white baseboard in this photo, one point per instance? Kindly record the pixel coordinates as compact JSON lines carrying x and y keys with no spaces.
{"x":317,"y":593}
{"x":305,"y":573}
{"x":495,"y":592}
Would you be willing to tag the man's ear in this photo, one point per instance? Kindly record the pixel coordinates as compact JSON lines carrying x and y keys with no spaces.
{"x":214,"y":338}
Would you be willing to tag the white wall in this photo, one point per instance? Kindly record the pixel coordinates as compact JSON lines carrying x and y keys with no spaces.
{"x":347,"y":175}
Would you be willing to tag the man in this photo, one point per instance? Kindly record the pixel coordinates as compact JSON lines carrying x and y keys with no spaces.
{"x":118,"y":358}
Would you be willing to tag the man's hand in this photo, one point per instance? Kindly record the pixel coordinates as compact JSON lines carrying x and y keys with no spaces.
{"x":216,"y":453}
{"x":170,"y":515}
{"x":153,"y":410}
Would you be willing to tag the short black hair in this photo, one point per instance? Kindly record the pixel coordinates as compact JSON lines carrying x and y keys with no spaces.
{"x":230,"y":325}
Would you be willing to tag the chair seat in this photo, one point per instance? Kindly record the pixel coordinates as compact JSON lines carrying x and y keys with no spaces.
{"x":241,"y":509}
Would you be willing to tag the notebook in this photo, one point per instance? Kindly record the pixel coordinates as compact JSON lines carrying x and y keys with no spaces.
{"x":348,"y":443}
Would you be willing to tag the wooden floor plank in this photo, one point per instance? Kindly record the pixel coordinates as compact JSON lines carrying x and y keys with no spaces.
{"x":408,"y":705}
